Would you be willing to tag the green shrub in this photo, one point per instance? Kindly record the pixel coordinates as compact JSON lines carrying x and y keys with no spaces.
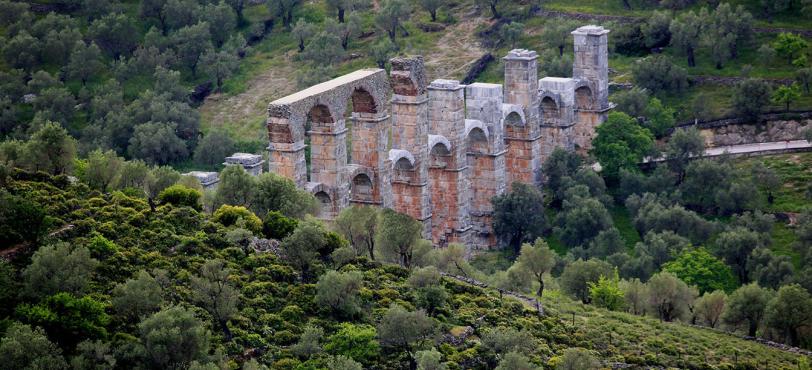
{"x":180,"y":195}
{"x":238,"y":215}
{"x":277,"y":226}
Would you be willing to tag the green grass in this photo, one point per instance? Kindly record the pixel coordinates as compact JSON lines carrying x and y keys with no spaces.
{"x":795,"y":171}
{"x":783,"y":240}
{"x":623,"y":223}
{"x":650,"y":343}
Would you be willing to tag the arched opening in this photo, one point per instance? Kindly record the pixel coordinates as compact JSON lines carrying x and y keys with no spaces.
{"x":320,"y":114}
{"x":319,"y":119}
{"x":583,"y":99}
{"x":440,"y":155}
{"x":403,"y":170}
{"x":325,"y":204}
{"x":477,"y":141}
{"x":363,"y":102}
{"x":514,"y":119}
{"x":549,"y":111}
{"x":362,"y":187}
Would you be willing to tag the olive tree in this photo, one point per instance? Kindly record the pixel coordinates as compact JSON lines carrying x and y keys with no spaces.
{"x":213,"y":291}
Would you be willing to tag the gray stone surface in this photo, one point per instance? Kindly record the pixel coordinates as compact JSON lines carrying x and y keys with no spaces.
{"x":453,"y":146}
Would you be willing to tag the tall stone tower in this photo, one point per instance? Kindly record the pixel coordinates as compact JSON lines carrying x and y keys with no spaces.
{"x":592,"y":61}
{"x":410,"y":129}
{"x":448,"y":166}
{"x":591,"y":72}
{"x":522,"y":133}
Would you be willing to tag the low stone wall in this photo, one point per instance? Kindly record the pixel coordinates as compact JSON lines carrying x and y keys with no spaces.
{"x":769,"y":131}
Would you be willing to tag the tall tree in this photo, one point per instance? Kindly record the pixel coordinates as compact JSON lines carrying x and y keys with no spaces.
{"x":397,"y":234}
{"x":51,"y":149}
{"x":790,"y":311}
{"x":85,"y":61}
{"x":539,"y":259}
{"x":621,"y":143}
{"x":686,"y":30}
{"x":747,"y":305}
{"x":785,"y":95}
{"x":173,"y":338}
{"x":518,"y":215}
{"x":359,"y":225}
{"x":219,"y":65}
{"x":302,"y":247}
{"x":750,"y":97}
{"x":670,"y":297}
{"x":284,"y":10}
{"x":391,"y":15}
{"x":213,"y":291}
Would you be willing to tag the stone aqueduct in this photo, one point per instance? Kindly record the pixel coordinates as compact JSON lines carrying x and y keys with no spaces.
{"x":437,"y":151}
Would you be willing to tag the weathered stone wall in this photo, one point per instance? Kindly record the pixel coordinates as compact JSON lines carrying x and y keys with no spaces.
{"x":772,"y":130}
{"x":453,"y":147}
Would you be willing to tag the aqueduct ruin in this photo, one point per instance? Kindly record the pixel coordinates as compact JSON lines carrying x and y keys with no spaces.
{"x":437,"y":151}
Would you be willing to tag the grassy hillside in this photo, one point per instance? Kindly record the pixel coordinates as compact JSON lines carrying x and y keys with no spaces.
{"x":173,"y":242}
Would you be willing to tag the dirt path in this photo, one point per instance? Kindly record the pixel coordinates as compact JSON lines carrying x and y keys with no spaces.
{"x":455,"y":52}
{"x":244,"y":113}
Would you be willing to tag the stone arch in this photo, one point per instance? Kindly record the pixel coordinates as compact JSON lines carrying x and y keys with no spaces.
{"x":362,"y":188}
{"x":325,"y":203}
{"x":439,"y":151}
{"x":403,"y":164}
{"x":584,"y":100}
{"x":513,"y":115}
{"x":319,"y":116}
{"x":549,"y":110}
{"x":363,"y":101}
{"x":477,"y":141}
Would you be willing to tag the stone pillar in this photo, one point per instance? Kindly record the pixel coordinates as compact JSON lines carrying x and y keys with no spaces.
{"x":328,"y":161}
{"x":370,"y":138}
{"x":287,"y":152}
{"x":486,"y":169}
{"x":591,"y":67}
{"x":592,"y":61}
{"x":557,"y":115}
{"x":448,"y":170}
{"x":410,"y":189}
{"x":521,"y":89}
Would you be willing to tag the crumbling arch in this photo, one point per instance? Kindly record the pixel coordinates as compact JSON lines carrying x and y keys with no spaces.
{"x":319,"y":115}
{"x":363,"y":101}
{"x":549,"y":110}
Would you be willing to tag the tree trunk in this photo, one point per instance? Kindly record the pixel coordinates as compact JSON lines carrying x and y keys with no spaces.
{"x":787,"y":105}
{"x":433,"y":15}
{"x":541,"y":287}
{"x":691,"y":59}
{"x":627,"y":5}
{"x":561,"y":50}
{"x":340,"y":15}
{"x":752,"y":328}
{"x":301,"y":45}
{"x":793,"y":337}
{"x":494,"y":12}
{"x":226,"y":330}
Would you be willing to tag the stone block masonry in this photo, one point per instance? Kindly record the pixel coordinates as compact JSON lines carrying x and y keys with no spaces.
{"x":453,"y":146}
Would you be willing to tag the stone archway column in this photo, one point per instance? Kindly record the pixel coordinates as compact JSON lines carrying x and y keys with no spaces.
{"x":287,"y":155}
{"x":328,"y":161}
{"x":410,"y":132}
{"x":450,"y":185}
{"x":523,"y":157}
{"x":370,"y":137}
{"x":486,"y":170}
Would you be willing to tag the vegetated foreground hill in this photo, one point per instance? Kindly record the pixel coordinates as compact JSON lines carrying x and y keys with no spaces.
{"x":121,"y":284}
